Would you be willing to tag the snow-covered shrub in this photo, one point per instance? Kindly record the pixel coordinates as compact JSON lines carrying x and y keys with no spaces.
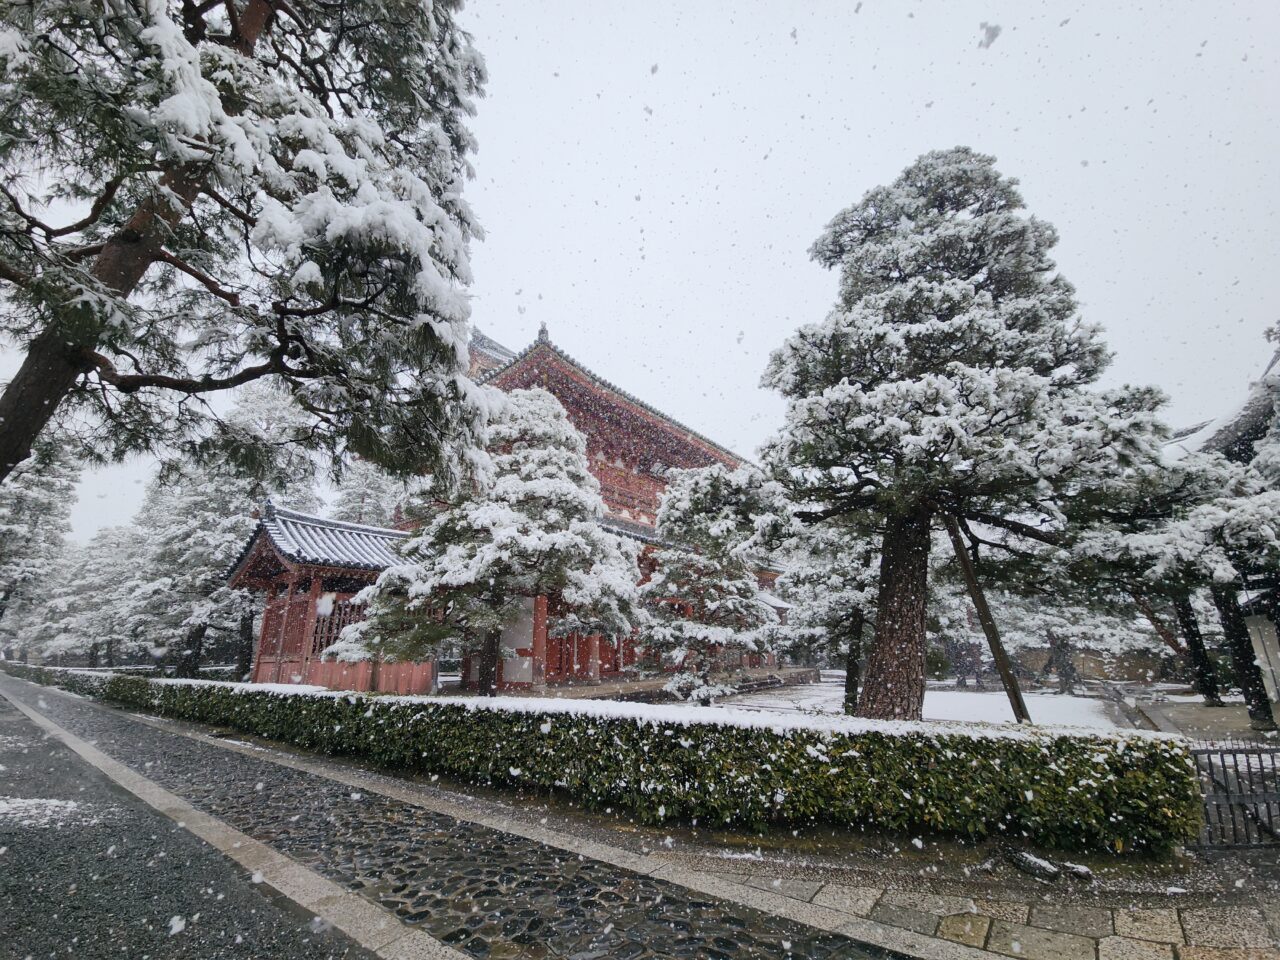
{"x":1067,"y":790}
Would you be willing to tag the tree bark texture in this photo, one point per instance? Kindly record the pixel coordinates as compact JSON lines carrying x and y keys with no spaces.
{"x":490,"y":649}
{"x":853,"y":660}
{"x":1243,"y":660}
{"x":188,"y":665}
{"x":244,"y":644}
{"x":56,"y":357}
{"x":1202,"y":672}
{"x":1003,"y":665}
{"x":893,"y":688}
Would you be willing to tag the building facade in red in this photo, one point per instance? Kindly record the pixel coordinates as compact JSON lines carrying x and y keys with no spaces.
{"x":309,"y":567}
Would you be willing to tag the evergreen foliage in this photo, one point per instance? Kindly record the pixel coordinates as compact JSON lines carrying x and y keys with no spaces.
{"x":481,"y":555}
{"x":257,"y":191}
{"x":952,"y":378}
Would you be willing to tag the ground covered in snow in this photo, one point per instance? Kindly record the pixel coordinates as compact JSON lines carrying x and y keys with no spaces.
{"x":990,"y":706}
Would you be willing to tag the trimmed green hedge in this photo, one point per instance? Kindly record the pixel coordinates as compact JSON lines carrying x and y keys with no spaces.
{"x":1067,"y":791}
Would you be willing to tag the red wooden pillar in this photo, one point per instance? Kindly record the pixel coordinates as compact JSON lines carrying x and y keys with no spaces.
{"x":539,"y":653}
{"x":309,"y":626}
{"x":284,"y":627}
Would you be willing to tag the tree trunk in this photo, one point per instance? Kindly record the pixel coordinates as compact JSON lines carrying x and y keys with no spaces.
{"x":57,"y":356}
{"x":92,"y":655}
{"x":244,"y":644}
{"x":490,"y":649}
{"x":1243,"y":660}
{"x":852,"y":660}
{"x":111,"y":651}
{"x":893,"y":688}
{"x":1005,"y":668}
{"x":189,"y":663}
{"x":1201,"y":666}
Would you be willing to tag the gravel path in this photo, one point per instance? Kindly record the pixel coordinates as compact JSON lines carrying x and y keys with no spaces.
{"x":488,"y":893}
{"x":87,"y":870}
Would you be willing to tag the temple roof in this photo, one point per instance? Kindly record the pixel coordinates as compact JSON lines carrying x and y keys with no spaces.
{"x":543,"y":343}
{"x":315,"y":541}
{"x":303,"y":538}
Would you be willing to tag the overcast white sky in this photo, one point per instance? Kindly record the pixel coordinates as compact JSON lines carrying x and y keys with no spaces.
{"x":651,"y":175}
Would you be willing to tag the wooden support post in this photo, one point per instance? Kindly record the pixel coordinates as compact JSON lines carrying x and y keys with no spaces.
{"x":988,"y":622}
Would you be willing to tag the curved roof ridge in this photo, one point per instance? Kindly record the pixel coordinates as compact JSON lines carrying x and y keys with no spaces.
{"x":298,"y":516}
{"x":544,"y":341}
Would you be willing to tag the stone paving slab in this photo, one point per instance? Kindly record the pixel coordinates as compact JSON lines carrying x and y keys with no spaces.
{"x":1159,"y":925}
{"x":1071,"y":918}
{"x":1224,"y":927}
{"x":1034,"y":943}
{"x":1127,"y":948}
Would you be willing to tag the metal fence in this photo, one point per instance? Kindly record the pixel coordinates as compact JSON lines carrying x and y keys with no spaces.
{"x":1240,"y":786}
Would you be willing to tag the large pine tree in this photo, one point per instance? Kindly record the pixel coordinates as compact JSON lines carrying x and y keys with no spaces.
{"x":951,"y":380}
{"x":194,"y":196}
{"x":483,"y":553}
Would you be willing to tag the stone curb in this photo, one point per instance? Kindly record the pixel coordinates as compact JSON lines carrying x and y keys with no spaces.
{"x":374,"y":928}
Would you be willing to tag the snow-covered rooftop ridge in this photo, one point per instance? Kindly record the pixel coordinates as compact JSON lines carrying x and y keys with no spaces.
{"x":308,"y":539}
{"x":1235,"y":431}
{"x":488,"y":345}
{"x":544,"y":341}
{"x":685,"y":716}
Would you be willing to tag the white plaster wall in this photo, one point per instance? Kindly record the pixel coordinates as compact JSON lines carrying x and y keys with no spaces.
{"x":1267,"y":647}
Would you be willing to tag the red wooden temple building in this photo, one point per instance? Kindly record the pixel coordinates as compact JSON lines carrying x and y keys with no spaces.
{"x":309,"y":567}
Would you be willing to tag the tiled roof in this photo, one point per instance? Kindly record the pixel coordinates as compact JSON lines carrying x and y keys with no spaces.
{"x":487,"y":345}
{"x":330,"y":543}
{"x":304,"y":538}
{"x":545,"y":341}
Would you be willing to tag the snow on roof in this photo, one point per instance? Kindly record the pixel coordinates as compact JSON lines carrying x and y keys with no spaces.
{"x":490,"y":346}
{"x":331,"y":543}
{"x":545,"y":341}
{"x":304,"y":538}
{"x":775,"y":602}
{"x":1234,"y":433}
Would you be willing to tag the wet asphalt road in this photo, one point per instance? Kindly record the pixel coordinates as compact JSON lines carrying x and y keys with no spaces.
{"x":87,"y":870}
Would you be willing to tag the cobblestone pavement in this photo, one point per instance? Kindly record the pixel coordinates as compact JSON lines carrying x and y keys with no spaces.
{"x":87,"y":870}
{"x":488,"y":893}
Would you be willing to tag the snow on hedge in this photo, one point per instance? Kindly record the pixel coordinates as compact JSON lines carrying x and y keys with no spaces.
{"x":672,"y":714}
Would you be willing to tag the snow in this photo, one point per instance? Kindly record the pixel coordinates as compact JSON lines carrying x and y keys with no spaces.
{"x":42,"y":812}
{"x":964,"y":706}
{"x":675,"y":714}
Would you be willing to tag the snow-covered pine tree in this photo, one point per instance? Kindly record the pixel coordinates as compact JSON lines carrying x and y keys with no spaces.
{"x":197,"y":517}
{"x":951,"y":380}
{"x":35,"y":517}
{"x":480,"y":555}
{"x":830,"y":579}
{"x":198,"y":195}
{"x":703,"y":596}
{"x":367,"y":494}
{"x":87,"y":612}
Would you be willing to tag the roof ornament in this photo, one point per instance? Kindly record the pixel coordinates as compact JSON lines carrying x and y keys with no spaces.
{"x":543,"y":337}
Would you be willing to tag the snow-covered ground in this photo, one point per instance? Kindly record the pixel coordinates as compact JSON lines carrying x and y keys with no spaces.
{"x":968,"y":705}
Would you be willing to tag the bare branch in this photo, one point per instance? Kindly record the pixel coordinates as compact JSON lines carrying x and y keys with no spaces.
{"x":204,"y":279}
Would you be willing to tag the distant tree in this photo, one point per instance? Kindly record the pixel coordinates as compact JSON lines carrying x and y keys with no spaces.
{"x":704,"y":596}
{"x":830,"y":579}
{"x":368,"y":494}
{"x":483,"y":553}
{"x":196,"y":519}
{"x":86,"y":612}
{"x":950,"y":381}
{"x":254,"y":190}
{"x":35,"y":517}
